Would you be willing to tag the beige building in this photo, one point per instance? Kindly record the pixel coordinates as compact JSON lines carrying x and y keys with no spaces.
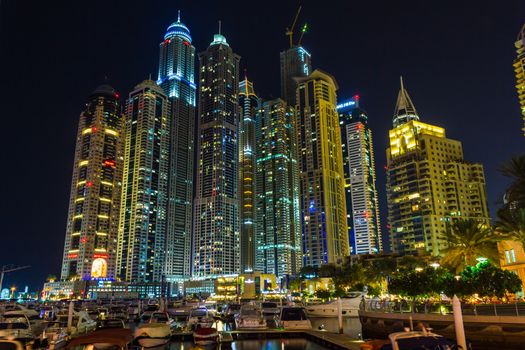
{"x":321,"y":177}
{"x":512,"y":258}
{"x":428,"y":183}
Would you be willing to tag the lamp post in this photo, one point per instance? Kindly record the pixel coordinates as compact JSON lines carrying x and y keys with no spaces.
{"x":13,"y":288}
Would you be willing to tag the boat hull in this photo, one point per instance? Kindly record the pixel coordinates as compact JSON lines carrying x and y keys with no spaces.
{"x":147,"y":342}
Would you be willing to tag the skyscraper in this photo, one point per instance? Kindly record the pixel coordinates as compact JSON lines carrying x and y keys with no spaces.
{"x":176,"y":77}
{"x":216,"y":241}
{"x":360,"y":179}
{"x":92,"y":224}
{"x":143,"y":214}
{"x":428,"y":183}
{"x":519,"y":68}
{"x":295,"y":63}
{"x":249,"y":103}
{"x":323,"y":206}
{"x":278,"y":229}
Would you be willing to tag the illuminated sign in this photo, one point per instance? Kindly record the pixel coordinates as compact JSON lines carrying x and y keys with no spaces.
{"x":350,"y":104}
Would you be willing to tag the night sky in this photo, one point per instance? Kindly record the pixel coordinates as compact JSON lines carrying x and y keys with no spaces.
{"x":456,"y":60}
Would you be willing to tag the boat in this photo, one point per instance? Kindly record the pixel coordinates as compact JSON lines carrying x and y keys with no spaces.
{"x":250,"y":317}
{"x":81,"y":322}
{"x":205,"y":336}
{"x":103,"y":339}
{"x":6,"y":344}
{"x":20,"y":309}
{"x":200,"y":317}
{"x":270,"y":310}
{"x":36,"y":323}
{"x":411,"y":340}
{"x":350,"y":307}
{"x":150,"y":335}
{"x":16,"y":328}
{"x":294,"y":318}
{"x":231,"y":311}
{"x":162,"y":317}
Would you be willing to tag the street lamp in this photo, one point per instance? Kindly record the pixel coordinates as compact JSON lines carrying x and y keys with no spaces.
{"x":419,"y":269}
{"x":13,"y":288}
{"x":435,"y":265}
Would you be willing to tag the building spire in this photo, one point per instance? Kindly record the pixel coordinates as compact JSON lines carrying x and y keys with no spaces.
{"x":405,"y":110}
{"x":220,"y":27}
{"x":178,"y":17}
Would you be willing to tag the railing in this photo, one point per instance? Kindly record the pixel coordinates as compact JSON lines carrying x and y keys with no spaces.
{"x":404,"y":306}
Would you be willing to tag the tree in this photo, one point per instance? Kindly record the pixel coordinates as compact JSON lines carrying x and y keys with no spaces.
{"x":309,"y":271}
{"x":418,"y":283}
{"x":468,"y":239}
{"x":515,"y":170}
{"x":511,"y":224}
{"x":323,"y":294}
{"x":487,"y":280}
{"x":51,"y":278}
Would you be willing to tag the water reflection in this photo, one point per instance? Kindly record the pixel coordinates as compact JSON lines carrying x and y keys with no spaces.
{"x":351,"y":325}
{"x":271,"y":344}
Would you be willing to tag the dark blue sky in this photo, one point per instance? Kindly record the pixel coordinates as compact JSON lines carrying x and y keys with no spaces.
{"x":455,"y":57}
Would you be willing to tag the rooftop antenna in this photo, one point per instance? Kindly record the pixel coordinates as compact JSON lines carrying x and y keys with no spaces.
{"x":401,"y":80}
{"x":178,"y":17}
{"x":219,"y":27}
{"x":289,"y":30}
{"x":149,"y":76}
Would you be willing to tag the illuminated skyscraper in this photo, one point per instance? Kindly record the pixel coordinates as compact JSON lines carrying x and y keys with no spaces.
{"x":295,"y":63}
{"x":278,"y":229}
{"x":92,"y":224}
{"x":249,"y":103}
{"x":216,"y":241}
{"x":519,"y":68}
{"x":360,"y":179}
{"x":428,"y":183}
{"x":176,"y":77}
{"x":323,"y":206}
{"x":142,"y":225}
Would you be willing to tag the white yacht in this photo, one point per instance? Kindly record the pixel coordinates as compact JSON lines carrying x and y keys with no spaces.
{"x":349,"y":305}
{"x":250,"y":317}
{"x":17,"y":328}
{"x":294,"y":318}
{"x":200,"y":317}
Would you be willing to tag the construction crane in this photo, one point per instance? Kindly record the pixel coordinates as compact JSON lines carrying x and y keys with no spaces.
{"x":289,"y":30}
{"x":9,"y":268}
{"x":304,"y":28}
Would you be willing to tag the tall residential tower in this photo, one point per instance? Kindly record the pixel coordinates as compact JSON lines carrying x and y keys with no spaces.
{"x":278,"y":229}
{"x":519,"y":68}
{"x":143,"y":215}
{"x":216,"y":239}
{"x":429,"y":183}
{"x":92,"y":224}
{"x":177,"y":78}
{"x":295,"y":63}
{"x":360,"y":179}
{"x":323,"y":205}
{"x":249,"y":103}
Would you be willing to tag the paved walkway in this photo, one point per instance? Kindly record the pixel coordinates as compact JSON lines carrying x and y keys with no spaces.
{"x":335,"y":340}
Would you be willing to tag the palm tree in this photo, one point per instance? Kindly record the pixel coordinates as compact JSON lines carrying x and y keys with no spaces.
{"x":467,"y":240}
{"x":511,"y":224}
{"x":515,"y":170}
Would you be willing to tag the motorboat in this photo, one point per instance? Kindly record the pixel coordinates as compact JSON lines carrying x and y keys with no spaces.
{"x":103,"y":339}
{"x":6,"y":344}
{"x":150,"y":335}
{"x":37,"y":324}
{"x":294,"y":318}
{"x":231,"y":311}
{"x":54,"y":336}
{"x":81,"y":322}
{"x":270,"y":310}
{"x":411,"y":340}
{"x":162,"y":317}
{"x":111,"y":323}
{"x":205,"y":336}
{"x":21,"y":309}
{"x":349,"y":307}
{"x":16,"y":328}
{"x":119,"y":311}
{"x":250,"y":317}
{"x":200,"y":317}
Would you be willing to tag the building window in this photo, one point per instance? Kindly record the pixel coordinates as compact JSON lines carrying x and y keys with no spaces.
{"x":512,"y":256}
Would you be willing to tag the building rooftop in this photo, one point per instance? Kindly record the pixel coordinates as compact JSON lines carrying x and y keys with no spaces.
{"x":104,"y":89}
{"x":178,"y":29}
